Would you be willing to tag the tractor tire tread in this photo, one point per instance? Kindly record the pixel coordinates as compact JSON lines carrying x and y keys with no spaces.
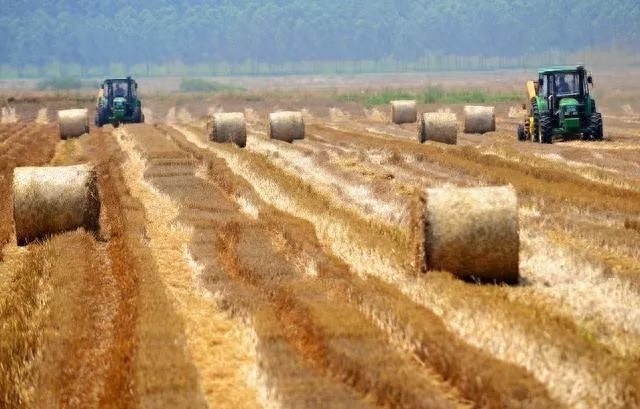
{"x":545,"y":128}
{"x":595,"y":126}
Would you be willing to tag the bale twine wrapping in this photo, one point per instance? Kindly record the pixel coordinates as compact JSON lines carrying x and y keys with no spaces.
{"x":438,"y":127}
{"x":73,"y":122}
{"x":286,"y":126}
{"x":49,"y":200}
{"x":479,"y":119}
{"x":228,"y":127}
{"x":404,"y":112}
{"x":473,"y":232}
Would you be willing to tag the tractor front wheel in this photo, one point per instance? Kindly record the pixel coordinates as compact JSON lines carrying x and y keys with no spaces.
{"x":595,"y":127}
{"x":545,"y":128}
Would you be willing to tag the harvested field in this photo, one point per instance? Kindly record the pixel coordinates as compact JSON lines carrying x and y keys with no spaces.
{"x":295,"y":274}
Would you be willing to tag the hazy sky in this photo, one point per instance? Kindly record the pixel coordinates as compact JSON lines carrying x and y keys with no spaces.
{"x":92,"y":32}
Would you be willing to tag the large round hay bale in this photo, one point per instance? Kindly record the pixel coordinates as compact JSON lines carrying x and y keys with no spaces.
{"x":473,"y":232}
{"x":286,"y":126}
{"x":479,"y":119}
{"x":49,"y":200}
{"x":404,"y":112}
{"x":228,"y":127}
{"x":438,"y":127}
{"x":73,"y":122}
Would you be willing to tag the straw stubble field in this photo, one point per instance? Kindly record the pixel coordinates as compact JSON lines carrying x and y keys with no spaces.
{"x":292,"y":275}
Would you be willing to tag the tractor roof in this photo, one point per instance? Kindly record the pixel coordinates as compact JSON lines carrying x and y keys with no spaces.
{"x":561,"y":68}
{"x":119,"y":79}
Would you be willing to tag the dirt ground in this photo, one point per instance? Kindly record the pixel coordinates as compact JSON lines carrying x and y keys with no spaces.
{"x":289,"y":275}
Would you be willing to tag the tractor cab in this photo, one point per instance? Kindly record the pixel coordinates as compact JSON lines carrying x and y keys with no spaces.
{"x":563,"y":84}
{"x":561,"y":105}
{"x":118,"y":102}
{"x":566,"y":90}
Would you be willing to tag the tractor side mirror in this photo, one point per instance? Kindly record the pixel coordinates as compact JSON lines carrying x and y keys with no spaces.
{"x":590,"y":80}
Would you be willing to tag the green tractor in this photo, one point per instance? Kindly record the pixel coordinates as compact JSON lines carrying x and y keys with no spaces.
{"x":560,"y":105}
{"x":118,"y":102}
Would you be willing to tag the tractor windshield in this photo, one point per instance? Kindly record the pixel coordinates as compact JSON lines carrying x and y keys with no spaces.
{"x":120,"y":88}
{"x":567,"y":83}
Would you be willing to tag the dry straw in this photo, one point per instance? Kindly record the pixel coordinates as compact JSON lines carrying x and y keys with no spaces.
{"x":171,"y":117}
{"x":473,"y":232}
{"x":147,"y":114}
{"x":184,"y":116}
{"x":404,"y":112}
{"x":479,"y":119}
{"x":286,"y":126}
{"x":49,"y":200}
{"x":228,"y":127}
{"x":438,"y":127}
{"x":73,"y":122}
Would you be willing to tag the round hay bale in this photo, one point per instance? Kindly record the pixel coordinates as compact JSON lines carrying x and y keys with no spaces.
{"x":8,"y":115}
{"x":404,"y":112}
{"x":49,"y":200}
{"x":438,"y":127}
{"x":73,"y":122}
{"x":286,"y":126}
{"x":228,"y":127}
{"x":41,"y":118}
{"x":479,"y":119}
{"x":473,"y":232}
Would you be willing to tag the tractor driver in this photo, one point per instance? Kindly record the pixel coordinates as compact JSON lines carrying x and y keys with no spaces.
{"x":119,"y":91}
{"x":562,"y":86}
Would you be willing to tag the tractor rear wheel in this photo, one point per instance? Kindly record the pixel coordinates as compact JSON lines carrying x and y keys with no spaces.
{"x":99,"y":118}
{"x":138,"y":116}
{"x":595,"y":126}
{"x":545,"y":128}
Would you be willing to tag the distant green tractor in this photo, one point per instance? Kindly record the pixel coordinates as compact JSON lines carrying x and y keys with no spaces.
{"x":118,"y":102}
{"x":560,"y":105}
